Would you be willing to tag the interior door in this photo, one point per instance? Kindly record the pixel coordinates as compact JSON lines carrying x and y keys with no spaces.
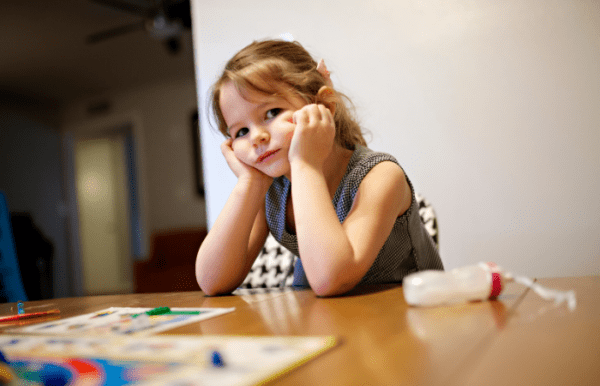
{"x":102,"y":201}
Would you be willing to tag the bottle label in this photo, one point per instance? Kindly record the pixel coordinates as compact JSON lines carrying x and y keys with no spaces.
{"x":496,"y":282}
{"x":496,"y":285}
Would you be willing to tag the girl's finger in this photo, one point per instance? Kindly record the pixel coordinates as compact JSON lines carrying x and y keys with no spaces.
{"x":314,"y":114}
{"x":301,"y":117}
{"x":326,"y":115}
{"x":226,"y":145}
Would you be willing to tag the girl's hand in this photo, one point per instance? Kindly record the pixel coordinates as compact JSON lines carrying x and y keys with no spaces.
{"x":314,"y":135}
{"x":242,"y":171}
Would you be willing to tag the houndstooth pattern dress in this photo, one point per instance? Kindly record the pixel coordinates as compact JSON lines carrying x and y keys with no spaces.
{"x":409,"y":247}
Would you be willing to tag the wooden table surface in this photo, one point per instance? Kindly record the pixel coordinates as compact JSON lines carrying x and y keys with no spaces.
{"x":518,"y":339}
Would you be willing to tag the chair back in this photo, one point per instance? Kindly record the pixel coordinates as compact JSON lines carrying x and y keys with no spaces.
{"x":428,"y":218}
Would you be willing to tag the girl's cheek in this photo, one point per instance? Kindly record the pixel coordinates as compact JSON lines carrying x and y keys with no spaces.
{"x":239,"y":153}
{"x":290,"y":134}
{"x":236,"y":150}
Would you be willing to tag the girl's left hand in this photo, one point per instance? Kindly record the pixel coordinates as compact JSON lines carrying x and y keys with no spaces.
{"x":314,"y":135}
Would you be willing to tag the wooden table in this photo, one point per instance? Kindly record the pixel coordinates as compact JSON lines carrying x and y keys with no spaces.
{"x":519,"y":339}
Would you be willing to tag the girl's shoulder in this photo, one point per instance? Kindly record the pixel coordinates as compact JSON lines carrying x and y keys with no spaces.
{"x":365,"y":170}
{"x":364,"y":160}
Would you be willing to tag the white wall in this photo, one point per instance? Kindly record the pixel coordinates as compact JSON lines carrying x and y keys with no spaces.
{"x":162,"y":118}
{"x":492,"y":108}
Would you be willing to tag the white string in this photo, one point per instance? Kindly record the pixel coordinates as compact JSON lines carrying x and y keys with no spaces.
{"x":549,"y":294}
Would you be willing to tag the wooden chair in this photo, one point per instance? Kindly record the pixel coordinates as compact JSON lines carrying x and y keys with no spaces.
{"x":171,"y":266}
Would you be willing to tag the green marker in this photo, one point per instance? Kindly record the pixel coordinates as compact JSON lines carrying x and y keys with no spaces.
{"x":158,"y":311}
{"x":154,"y":311}
{"x":166,"y":311}
{"x":183,"y":313}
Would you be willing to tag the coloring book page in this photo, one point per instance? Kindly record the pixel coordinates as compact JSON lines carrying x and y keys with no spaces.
{"x":166,"y":360}
{"x":122,"y":321}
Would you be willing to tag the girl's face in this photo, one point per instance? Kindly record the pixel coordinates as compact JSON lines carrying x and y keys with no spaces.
{"x":261,"y":127}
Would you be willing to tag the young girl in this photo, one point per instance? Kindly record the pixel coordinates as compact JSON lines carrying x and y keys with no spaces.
{"x":295,"y":150}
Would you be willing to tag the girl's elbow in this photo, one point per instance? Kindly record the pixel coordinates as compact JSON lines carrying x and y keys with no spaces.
{"x":213,"y":285}
{"x":328,"y":288}
{"x":210,"y":289}
{"x":324,"y":292}
{"x":206,"y":285}
{"x":335,"y":281}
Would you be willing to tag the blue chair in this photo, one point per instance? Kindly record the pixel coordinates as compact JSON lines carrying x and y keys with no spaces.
{"x":11,"y":284}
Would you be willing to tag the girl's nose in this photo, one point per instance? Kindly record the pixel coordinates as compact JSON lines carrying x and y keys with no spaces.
{"x":260,"y":136}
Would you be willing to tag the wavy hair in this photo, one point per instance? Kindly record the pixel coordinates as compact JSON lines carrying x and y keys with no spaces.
{"x":286,"y":69}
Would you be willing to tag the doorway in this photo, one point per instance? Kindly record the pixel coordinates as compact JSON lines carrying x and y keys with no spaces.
{"x":108,"y":211}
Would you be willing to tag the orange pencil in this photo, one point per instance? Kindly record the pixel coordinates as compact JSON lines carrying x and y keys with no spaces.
{"x":28,"y":315}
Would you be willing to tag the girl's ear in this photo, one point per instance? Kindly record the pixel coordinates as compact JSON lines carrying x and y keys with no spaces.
{"x":322,"y":69}
{"x":327,"y":97}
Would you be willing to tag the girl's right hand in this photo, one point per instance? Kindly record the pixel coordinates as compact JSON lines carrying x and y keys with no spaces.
{"x":241,"y":170}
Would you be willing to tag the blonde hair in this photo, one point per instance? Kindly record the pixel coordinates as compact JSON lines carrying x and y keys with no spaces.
{"x":281,"y":68}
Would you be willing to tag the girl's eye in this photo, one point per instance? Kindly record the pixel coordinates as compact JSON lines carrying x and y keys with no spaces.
{"x":241,"y":132}
{"x":272,"y":113}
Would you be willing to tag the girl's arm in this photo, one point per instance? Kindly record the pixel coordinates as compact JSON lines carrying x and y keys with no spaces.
{"x":233,"y":243}
{"x":336,"y":256}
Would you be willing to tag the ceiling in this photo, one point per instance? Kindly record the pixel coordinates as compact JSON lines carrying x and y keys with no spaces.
{"x":45,"y":60}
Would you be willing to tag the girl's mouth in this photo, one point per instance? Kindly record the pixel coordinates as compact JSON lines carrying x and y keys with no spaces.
{"x":266,"y":155}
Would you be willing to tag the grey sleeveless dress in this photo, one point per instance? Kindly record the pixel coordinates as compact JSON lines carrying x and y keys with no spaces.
{"x":409,"y":247}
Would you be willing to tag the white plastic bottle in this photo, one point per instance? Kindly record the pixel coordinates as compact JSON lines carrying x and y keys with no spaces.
{"x":432,"y":288}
